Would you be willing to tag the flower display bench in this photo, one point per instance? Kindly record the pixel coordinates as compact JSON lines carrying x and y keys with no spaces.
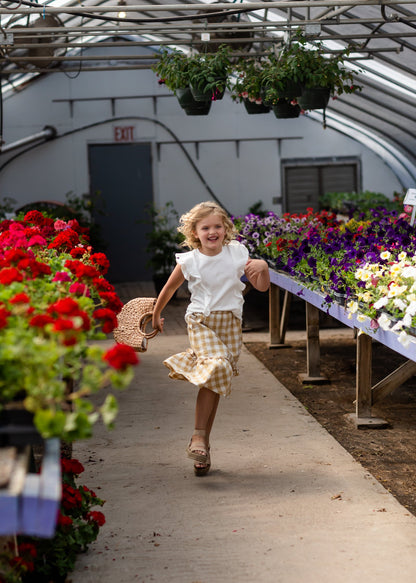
{"x":29,"y":502}
{"x":366,"y":394}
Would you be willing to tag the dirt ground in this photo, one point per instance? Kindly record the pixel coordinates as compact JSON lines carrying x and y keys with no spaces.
{"x":390,"y":453}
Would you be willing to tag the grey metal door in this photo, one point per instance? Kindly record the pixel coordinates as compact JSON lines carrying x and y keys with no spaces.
{"x":121,"y":186}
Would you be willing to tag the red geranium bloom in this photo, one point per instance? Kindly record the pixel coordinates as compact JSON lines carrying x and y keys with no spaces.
{"x":3,"y":317}
{"x":102,"y":284}
{"x":64,"y":520}
{"x":21,"y":298}
{"x":35,"y":217}
{"x":41,"y":320}
{"x":101,"y":261}
{"x":78,"y":252}
{"x":71,"y":497}
{"x":96,"y":516}
{"x":79,"y":289}
{"x":65,"y":239}
{"x":121,"y":356}
{"x":10,"y":274}
{"x":111,"y":301}
{"x":109,"y":319}
{"x":65,"y":306}
{"x":71,"y":466}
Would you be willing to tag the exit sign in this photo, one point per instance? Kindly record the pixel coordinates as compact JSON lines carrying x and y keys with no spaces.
{"x":123,"y":133}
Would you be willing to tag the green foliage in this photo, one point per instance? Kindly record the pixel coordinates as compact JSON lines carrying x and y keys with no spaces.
{"x":309,"y":67}
{"x":356,"y":203}
{"x":249,"y":83}
{"x":164,"y":239}
{"x":209,"y":72}
{"x":173,"y":69}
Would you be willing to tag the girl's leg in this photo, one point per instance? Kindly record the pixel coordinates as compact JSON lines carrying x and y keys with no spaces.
{"x":205,"y":411}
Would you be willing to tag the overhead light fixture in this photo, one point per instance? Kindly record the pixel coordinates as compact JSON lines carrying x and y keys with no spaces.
{"x":121,"y":13}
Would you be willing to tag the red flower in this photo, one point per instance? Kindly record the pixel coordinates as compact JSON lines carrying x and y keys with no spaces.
{"x":102,"y":284}
{"x":35,"y":217}
{"x":121,"y":356}
{"x":111,"y":301}
{"x":64,"y":521}
{"x":109,"y":319}
{"x":65,"y":239}
{"x":101,"y":261}
{"x":10,"y":274}
{"x":41,"y":320}
{"x":21,"y":298}
{"x":71,"y":497}
{"x":78,"y":252}
{"x":65,"y":306}
{"x":96,"y":516}
{"x":71,"y":466}
{"x":79,"y":289}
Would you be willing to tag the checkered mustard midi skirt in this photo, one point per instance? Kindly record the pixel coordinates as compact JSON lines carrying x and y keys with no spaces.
{"x":211,"y":361}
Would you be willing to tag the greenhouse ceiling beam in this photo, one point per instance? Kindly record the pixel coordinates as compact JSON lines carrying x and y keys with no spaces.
{"x":60,"y":58}
{"x":201,"y":8}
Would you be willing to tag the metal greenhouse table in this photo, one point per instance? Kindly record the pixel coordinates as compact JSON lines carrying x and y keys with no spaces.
{"x":366,"y":394}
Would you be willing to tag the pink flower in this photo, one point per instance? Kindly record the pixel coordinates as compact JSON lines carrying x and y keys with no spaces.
{"x":60,"y":225}
{"x":62,"y":276}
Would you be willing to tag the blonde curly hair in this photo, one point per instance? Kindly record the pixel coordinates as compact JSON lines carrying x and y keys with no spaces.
{"x":188,"y":221}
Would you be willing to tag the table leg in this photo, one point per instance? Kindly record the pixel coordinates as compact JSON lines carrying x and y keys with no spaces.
{"x":313,"y":350}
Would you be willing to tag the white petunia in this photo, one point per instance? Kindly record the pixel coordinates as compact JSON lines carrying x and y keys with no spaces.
{"x":396,"y":290}
{"x":381,"y":303}
{"x":404,"y":339}
{"x":385,"y":255}
{"x":402,"y":256}
{"x":384,"y":322}
{"x":353,"y":307}
{"x":398,"y":326}
{"x":409,"y":271}
{"x":398,"y":303}
{"x":411,"y":309}
{"x":407,"y":320}
{"x":361,"y":318}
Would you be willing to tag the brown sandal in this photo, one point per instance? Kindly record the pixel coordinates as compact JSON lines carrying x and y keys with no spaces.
{"x":193,"y":449}
{"x":204,"y":469}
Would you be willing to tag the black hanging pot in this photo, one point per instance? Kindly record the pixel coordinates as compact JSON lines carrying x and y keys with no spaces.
{"x":190,"y":105}
{"x":208,"y":95}
{"x":198,"y":108}
{"x":184,"y":96}
{"x":283,"y":109}
{"x":291,"y":90}
{"x":253,"y":108}
{"x":314,"y":98}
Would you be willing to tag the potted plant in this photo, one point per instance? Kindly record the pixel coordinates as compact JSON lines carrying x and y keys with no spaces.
{"x":54,"y":300}
{"x":173,"y":71}
{"x":248,"y":87}
{"x":163,"y":242}
{"x":209,"y":74}
{"x":305,"y":73}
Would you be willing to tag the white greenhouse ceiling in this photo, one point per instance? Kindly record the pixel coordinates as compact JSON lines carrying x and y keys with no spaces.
{"x":43,"y":38}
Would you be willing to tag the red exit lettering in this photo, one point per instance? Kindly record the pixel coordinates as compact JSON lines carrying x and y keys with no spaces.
{"x":123,"y":133}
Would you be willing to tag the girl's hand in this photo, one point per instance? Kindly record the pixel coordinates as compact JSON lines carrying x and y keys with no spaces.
{"x":257,"y":272}
{"x":157,"y":323}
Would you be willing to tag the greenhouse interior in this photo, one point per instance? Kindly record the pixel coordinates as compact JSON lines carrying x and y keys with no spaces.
{"x":192,"y":192}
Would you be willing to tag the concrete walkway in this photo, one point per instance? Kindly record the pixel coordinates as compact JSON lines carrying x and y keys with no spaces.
{"x":284,"y":502}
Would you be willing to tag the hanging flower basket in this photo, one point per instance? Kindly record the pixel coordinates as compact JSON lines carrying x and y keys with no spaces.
{"x":198,"y":108}
{"x":205,"y":95}
{"x":314,"y":98}
{"x":283,"y":109}
{"x":253,"y":108}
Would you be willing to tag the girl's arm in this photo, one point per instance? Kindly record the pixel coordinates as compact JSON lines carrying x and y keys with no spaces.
{"x":175,"y":280}
{"x":257,"y":273}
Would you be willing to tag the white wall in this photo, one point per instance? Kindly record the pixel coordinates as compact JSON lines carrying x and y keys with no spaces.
{"x":60,"y":166}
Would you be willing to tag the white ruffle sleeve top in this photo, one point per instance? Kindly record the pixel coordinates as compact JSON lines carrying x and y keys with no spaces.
{"x":214,"y":282}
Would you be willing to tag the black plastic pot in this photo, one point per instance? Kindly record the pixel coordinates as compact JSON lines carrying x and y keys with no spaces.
{"x":314,"y":98}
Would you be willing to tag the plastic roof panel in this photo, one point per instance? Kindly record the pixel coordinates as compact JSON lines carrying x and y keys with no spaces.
{"x":382,"y":40}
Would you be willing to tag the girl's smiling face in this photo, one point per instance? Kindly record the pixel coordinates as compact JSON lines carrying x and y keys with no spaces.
{"x":211,"y":233}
